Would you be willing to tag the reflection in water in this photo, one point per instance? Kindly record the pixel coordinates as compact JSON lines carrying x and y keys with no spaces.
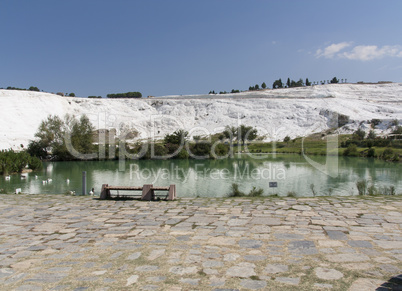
{"x":213,"y":178}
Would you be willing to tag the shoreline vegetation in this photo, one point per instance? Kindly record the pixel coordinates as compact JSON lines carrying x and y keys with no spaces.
{"x":75,"y":139}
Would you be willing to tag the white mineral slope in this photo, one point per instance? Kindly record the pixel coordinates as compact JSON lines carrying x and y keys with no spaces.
{"x":277,"y":113}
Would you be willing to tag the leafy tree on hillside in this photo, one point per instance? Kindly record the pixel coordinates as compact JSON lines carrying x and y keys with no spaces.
{"x":246,"y":133}
{"x":277,"y":84}
{"x":230,"y":133}
{"x":359,"y":134}
{"x":263,"y":85}
{"x":308,"y":83}
{"x":71,"y":95}
{"x":288,"y":83}
{"x":177,"y":138}
{"x":32,"y":88}
{"x":50,"y":133}
{"x":371,"y":135}
{"x":82,"y":135}
{"x":54,"y":133}
{"x":334,"y":80}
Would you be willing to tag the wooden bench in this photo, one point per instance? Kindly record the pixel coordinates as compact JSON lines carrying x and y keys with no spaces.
{"x":148,"y":192}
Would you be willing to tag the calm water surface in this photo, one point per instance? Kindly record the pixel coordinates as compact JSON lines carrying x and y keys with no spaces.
{"x":213,"y":178}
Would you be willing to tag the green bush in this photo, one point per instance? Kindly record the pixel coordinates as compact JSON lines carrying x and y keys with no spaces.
{"x":372,"y":190}
{"x":359,"y":134}
{"x":371,"y":153}
{"x":361,"y":187}
{"x":371,"y":135}
{"x":200,"y":150}
{"x":388,"y":154}
{"x":178,"y":137}
{"x":221,"y":150}
{"x":256,"y":192}
{"x":35,"y":164}
{"x":351,"y":151}
{"x":13,"y":162}
{"x":235,"y":192}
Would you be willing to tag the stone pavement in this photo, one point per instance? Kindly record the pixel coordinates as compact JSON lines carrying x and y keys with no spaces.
{"x":59,"y":242}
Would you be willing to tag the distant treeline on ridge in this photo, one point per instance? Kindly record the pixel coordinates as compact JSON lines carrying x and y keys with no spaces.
{"x":125,"y":95}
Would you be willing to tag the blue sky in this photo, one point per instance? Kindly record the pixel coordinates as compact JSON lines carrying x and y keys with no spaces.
{"x":163,"y":47}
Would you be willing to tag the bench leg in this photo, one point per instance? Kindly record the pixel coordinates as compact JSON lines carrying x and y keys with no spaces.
{"x":147,"y":192}
{"x":172,"y":192}
{"x":104,"y":192}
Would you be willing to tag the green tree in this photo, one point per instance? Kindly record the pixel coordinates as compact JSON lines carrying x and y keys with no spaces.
{"x":177,"y":138}
{"x":371,"y":135}
{"x":263,"y":85}
{"x":71,"y":95}
{"x":60,"y":137}
{"x":300,"y":83}
{"x":82,"y":135}
{"x":230,"y":133}
{"x":334,"y":80}
{"x":308,"y":83}
{"x":246,"y":133}
{"x":125,"y":95}
{"x":288,"y":83}
{"x":37,"y":149}
{"x":32,"y":88}
{"x":51,"y":133}
{"x":277,"y":84}
{"x":359,"y":134}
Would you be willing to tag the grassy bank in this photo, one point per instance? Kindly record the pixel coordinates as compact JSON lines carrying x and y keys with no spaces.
{"x":316,"y":144}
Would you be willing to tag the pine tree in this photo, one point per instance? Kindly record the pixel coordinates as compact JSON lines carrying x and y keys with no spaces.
{"x":288,"y":83}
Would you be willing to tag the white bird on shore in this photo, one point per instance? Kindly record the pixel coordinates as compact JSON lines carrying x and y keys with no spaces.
{"x":23,"y":176}
{"x":49,"y":180}
{"x":68,"y":181}
{"x":91,"y":193}
{"x":36,"y":176}
{"x":7,"y":178}
{"x":44,"y":182}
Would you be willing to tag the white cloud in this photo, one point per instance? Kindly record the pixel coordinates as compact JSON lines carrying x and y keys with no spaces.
{"x":360,"y":52}
{"x":330,"y":51}
{"x":371,"y":52}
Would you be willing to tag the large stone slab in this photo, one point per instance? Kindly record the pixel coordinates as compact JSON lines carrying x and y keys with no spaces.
{"x":266,"y":221}
{"x":304,"y":247}
{"x":242,"y":270}
{"x":347,"y":258}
